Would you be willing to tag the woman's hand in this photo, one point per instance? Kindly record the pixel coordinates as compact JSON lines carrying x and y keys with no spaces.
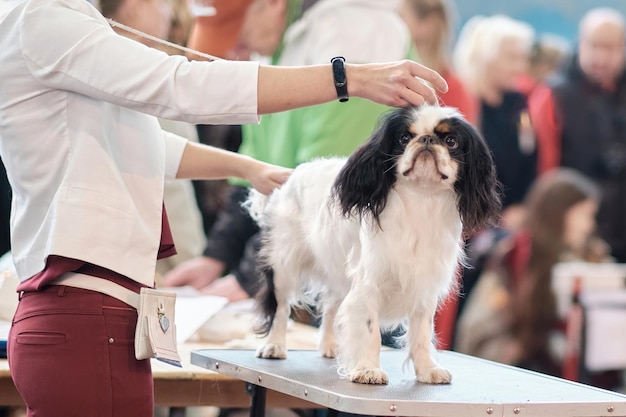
{"x":196,"y":272}
{"x":265,"y":177}
{"x":206,"y":162}
{"x":398,"y":84}
{"x":226,"y":287}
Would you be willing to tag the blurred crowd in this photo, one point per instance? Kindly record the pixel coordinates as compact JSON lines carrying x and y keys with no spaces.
{"x":552,"y":110}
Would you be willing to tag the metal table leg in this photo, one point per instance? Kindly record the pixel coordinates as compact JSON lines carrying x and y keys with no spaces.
{"x":259,"y":395}
{"x":177,"y":412}
{"x":332,"y":413}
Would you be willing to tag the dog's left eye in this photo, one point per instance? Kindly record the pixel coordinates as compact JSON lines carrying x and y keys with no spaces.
{"x":452,"y":142}
{"x":405,"y":138}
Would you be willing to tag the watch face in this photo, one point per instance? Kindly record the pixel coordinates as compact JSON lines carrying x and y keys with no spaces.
{"x":339,"y":72}
{"x":339,"y":77}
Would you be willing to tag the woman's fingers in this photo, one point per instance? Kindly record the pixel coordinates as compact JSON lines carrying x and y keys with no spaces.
{"x":268,"y":177}
{"x":429,"y":75}
{"x":401,"y":83}
{"x":418,"y":92}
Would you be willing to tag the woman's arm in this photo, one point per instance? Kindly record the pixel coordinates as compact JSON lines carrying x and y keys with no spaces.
{"x":394,"y":84}
{"x":77,"y":57}
{"x":206,"y":162}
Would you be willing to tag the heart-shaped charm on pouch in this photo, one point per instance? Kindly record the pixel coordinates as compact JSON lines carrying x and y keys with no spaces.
{"x":165,"y":323}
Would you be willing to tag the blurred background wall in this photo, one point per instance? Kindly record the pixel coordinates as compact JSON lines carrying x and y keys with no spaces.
{"x":547,"y":16}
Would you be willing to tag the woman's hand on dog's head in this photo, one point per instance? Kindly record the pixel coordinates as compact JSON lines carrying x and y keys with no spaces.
{"x":399,"y":84}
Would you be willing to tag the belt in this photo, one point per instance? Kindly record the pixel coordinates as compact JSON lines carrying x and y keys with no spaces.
{"x":88,"y":282}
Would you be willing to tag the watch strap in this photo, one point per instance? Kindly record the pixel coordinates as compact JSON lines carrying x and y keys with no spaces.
{"x":339,"y":78}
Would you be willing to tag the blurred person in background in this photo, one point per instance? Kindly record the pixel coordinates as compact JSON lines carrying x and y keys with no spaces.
{"x":511,"y":315}
{"x":431,"y":23}
{"x":549,"y":53}
{"x":296,"y":33}
{"x":582,"y":118}
{"x":492,"y":52}
{"x":217,"y":34}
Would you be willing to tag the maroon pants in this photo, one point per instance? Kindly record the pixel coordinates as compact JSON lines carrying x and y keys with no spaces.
{"x":71,"y":353}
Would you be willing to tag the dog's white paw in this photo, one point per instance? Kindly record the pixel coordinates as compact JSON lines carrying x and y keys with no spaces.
{"x":272,"y":351}
{"x":435,"y":376}
{"x":329,"y":350}
{"x":369,"y":376}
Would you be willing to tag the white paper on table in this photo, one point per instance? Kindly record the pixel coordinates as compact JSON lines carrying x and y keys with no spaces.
{"x":593,"y":277}
{"x":605,"y":330}
{"x":193,"y":309}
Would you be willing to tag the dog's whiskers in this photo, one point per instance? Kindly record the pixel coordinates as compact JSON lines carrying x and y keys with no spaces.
{"x":393,"y":166}
{"x":391,"y":158}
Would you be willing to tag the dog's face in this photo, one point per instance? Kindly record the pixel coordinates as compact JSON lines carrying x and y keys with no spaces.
{"x":428,"y":146}
{"x":429,"y":150}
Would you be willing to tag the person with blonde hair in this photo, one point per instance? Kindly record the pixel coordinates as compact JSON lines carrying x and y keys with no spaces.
{"x":492,"y":52}
{"x":490,"y":55}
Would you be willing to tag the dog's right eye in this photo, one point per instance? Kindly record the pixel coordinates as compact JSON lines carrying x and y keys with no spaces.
{"x":452,"y":142}
{"x":405,"y":138}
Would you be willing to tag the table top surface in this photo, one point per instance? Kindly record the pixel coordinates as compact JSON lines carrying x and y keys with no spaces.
{"x":478,"y":388}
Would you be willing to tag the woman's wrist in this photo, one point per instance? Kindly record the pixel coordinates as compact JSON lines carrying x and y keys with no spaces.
{"x":246,"y":167}
{"x":353,"y":78}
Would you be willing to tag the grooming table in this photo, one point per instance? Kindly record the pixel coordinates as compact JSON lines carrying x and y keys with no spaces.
{"x":478,"y":388}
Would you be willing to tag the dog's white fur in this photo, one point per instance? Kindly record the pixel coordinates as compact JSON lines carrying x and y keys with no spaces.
{"x":370,"y":274}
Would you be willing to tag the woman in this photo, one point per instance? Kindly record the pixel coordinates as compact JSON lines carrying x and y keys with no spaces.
{"x":511,"y":314}
{"x":86,"y":159}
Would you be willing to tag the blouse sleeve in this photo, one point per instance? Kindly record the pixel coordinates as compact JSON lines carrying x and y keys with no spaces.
{"x":174,"y":148}
{"x":68,"y":45}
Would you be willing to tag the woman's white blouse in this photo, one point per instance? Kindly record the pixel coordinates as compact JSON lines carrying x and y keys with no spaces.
{"x":84,"y":152}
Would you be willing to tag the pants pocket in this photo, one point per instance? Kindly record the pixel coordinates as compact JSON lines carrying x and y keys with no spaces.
{"x":40,"y":338}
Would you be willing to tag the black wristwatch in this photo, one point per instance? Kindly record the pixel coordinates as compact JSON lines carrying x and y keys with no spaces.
{"x":339,"y":76}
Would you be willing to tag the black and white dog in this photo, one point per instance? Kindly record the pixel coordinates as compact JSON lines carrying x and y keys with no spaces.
{"x":377,"y":238}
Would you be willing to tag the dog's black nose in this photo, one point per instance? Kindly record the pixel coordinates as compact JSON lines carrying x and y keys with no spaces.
{"x":428,"y":139}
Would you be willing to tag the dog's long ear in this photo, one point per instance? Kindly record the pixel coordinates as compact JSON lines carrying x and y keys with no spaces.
{"x":364,"y":182}
{"x":478,"y":187}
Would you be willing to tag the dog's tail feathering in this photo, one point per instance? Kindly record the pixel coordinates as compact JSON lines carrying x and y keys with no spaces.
{"x":266,"y":303}
{"x":255,"y":205}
